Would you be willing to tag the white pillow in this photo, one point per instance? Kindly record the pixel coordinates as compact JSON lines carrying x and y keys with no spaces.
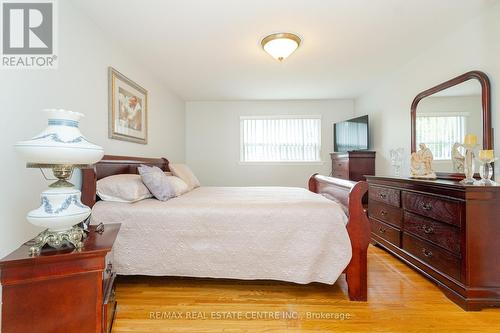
{"x":184,"y":172}
{"x":178,"y":185}
{"x":122,"y":188}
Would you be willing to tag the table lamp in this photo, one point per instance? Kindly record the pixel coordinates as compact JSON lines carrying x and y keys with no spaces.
{"x":62,"y":148}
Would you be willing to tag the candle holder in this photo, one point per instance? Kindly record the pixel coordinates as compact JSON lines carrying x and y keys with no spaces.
{"x":486,"y":157}
{"x":469,"y":164}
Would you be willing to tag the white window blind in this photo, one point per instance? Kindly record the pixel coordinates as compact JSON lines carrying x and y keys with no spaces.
{"x":280,"y":139}
{"x":439,"y":133}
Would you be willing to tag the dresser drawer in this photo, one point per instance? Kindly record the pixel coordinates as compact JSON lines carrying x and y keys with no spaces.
{"x":340,"y":168}
{"x":437,"y":258}
{"x":340,"y":174}
{"x":442,"y":234}
{"x":385,"y":231}
{"x":429,"y":206}
{"x":386,"y":213}
{"x":340,"y":165}
{"x":386,"y":195}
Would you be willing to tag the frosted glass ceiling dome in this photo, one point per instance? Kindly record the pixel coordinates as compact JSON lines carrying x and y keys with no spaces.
{"x":281,"y":45}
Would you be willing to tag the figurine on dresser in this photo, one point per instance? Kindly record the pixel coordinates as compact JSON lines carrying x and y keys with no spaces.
{"x":421,"y":163}
{"x":457,"y":158}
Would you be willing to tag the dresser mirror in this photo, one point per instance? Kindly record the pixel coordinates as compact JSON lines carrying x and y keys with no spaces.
{"x":442,"y":115}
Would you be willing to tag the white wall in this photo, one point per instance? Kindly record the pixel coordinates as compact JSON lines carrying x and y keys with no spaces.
{"x":79,"y":84}
{"x":213,"y":141}
{"x":473,"y":46}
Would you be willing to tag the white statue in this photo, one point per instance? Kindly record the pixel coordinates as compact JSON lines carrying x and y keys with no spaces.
{"x":457,"y":158}
{"x":421,"y":163}
{"x":397,"y":160}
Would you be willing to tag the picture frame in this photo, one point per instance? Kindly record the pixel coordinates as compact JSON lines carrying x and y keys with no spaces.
{"x":127,"y":110}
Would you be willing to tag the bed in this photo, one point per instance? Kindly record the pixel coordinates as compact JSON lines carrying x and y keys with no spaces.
{"x":272,"y":233}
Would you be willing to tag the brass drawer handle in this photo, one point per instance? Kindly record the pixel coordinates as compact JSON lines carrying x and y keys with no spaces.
{"x":382,"y":230}
{"x":109,"y":268}
{"x":426,"y":206}
{"x":427,"y":253}
{"x":383,"y":212}
{"x":428,"y":229}
{"x":383,"y":195}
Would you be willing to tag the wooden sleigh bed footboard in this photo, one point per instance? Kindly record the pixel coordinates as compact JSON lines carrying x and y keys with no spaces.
{"x":350,"y":194}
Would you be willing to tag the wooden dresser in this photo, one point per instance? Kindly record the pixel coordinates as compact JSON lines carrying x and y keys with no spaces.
{"x":447,"y":231}
{"x":60,"y":291}
{"x":353,"y":165}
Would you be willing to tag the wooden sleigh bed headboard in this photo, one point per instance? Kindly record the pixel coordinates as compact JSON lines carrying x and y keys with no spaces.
{"x":348,"y":193}
{"x":113,"y":165}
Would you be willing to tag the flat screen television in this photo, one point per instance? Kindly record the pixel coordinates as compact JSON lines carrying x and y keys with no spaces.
{"x":351,"y":135}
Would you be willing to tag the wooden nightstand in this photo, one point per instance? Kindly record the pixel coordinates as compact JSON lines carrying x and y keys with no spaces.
{"x":60,"y":290}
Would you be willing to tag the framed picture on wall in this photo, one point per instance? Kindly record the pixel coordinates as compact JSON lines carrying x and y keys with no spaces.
{"x":128,"y":109}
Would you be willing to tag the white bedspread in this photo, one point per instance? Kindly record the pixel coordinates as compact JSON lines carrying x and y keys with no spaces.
{"x":277,"y":233}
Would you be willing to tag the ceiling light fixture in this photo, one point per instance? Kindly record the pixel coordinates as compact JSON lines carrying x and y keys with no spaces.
{"x":280,"y":45}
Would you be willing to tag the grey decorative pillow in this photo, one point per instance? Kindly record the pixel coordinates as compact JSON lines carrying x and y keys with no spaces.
{"x":157,"y":182}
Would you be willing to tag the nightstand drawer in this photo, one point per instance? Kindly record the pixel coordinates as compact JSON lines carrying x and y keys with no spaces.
{"x":109,"y":304}
{"x":108,"y":267}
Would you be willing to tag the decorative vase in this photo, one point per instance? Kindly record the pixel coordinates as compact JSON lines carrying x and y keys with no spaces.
{"x":397,"y":160}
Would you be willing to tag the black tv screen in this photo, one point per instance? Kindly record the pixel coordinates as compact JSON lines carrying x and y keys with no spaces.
{"x":351,"y":135}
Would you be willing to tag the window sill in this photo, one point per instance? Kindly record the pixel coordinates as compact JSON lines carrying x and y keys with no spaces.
{"x":283,"y":163}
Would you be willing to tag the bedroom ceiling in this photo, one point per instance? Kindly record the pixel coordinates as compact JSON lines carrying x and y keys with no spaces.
{"x":210,"y":50}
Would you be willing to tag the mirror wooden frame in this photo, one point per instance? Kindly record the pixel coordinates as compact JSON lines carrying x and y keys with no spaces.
{"x":486,"y":114}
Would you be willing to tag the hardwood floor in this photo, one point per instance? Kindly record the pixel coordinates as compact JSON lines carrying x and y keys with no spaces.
{"x":399,"y":300}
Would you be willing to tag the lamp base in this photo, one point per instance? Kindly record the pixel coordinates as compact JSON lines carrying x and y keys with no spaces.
{"x":57,"y":239}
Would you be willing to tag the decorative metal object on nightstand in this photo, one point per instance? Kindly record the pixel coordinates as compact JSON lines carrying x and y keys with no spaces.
{"x":57,"y":239}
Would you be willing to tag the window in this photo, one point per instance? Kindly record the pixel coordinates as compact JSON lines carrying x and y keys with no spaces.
{"x":280,"y":139}
{"x":439,"y":133}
